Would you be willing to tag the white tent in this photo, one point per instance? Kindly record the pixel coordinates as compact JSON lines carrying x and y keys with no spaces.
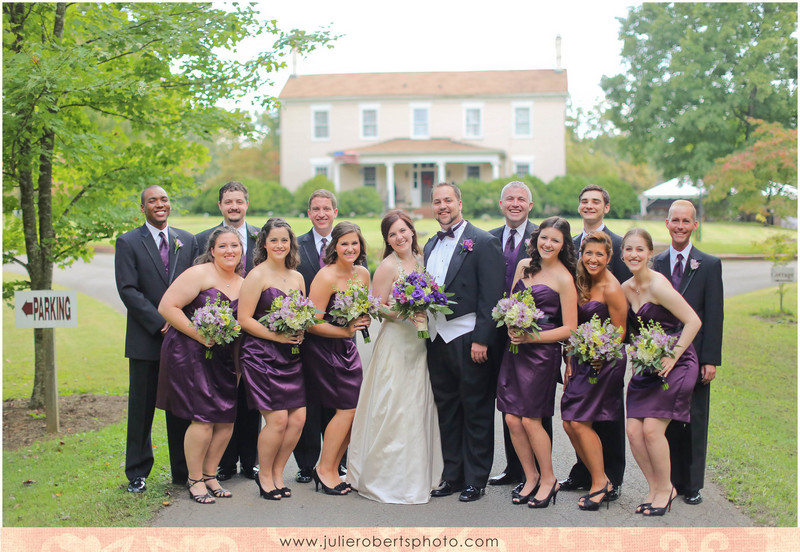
{"x":680,"y":187}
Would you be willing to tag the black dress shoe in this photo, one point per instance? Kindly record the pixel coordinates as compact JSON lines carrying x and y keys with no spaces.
{"x":224,"y":475}
{"x":504,"y":478}
{"x":445,"y":488}
{"x":137,"y":485}
{"x":303,"y":476}
{"x":570,"y":484}
{"x":614,"y":493}
{"x":249,"y":473}
{"x":471,"y":494}
{"x":693,"y":497}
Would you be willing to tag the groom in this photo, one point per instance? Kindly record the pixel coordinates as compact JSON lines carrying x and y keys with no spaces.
{"x":463,"y":259}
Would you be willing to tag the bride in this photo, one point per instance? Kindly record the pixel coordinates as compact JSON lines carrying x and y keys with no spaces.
{"x":395,"y":453}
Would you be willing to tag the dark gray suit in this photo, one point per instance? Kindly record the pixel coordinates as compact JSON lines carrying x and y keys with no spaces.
{"x":243,"y":446}
{"x":702,"y":289}
{"x":462,"y":389}
{"x":141,"y":282}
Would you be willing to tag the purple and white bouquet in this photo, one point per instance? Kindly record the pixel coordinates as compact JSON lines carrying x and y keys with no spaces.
{"x":649,"y":347}
{"x":289,"y":314}
{"x":595,"y":341}
{"x":519,"y":312}
{"x":419,"y":292}
{"x":215,"y":322}
{"x":353,"y":302}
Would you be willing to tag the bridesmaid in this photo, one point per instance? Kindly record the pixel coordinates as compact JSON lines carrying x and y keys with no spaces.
{"x":583,"y":403}
{"x":273,"y":376}
{"x":526,"y":384}
{"x":651,"y":408}
{"x":330,"y":354}
{"x":189,"y":385}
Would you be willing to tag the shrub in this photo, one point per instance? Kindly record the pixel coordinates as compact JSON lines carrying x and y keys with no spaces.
{"x":301,"y":194}
{"x":361,"y":201}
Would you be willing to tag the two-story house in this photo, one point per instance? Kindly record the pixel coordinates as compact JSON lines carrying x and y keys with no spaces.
{"x":402,"y":132}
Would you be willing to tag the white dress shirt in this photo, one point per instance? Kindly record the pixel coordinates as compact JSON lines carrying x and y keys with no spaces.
{"x":673,"y":257}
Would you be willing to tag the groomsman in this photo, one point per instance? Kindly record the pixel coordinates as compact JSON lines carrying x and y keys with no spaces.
{"x":242,"y":448}
{"x":593,"y":205}
{"x":515,"y":204}
{"x":322,"y":212}
{"x":463,"y":259}
{"x":146,"y":261}
{"x":698,"y":278}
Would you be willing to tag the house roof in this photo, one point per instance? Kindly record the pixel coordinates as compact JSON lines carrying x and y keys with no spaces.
{"x":408,"y":146}
{"x":456,"y":83}
{"x":680,"y":187}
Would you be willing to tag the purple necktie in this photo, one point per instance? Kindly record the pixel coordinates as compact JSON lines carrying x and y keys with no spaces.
{"x":164,"y":251}
{"x":677,"y":271}
{"x":508,"y":253}
{"x":322,"y":252}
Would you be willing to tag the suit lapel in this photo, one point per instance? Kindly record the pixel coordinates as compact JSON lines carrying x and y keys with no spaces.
{"x":428,"y":248}
{"x":688,"y":273}
{"x":150,"y":246}
{"x":661,"y":264}
{"x":310,"y":252}
{"x":526,"y":236}
{"x":458,"y":255}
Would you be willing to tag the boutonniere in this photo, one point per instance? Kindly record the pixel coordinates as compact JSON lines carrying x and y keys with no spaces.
{"x":254,"y":236}
{"x":467,"y":246}
{"x":178,"y":244}
{"x":694,"y":264}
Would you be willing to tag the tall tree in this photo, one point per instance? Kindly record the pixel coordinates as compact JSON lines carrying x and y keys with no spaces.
{"x":100,"y":101}
{"x":696,"y":73}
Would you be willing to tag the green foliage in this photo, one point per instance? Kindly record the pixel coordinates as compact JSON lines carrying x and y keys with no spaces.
{"x":362,"y":201}
{"x":265,"y":198}
{"x":481,"y":198}
{"x":301,"y":194}
{"x":695,"y":73}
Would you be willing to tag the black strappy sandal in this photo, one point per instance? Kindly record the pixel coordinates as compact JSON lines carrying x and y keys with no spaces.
{"x":219,"y":492}
{"x":199,"y":498}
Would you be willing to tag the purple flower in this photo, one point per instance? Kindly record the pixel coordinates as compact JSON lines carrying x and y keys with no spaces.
{"x":466,"y":245}
{"x":694,"y":264}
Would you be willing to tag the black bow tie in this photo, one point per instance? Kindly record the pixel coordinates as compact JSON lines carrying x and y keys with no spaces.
{"x":450,"y":232}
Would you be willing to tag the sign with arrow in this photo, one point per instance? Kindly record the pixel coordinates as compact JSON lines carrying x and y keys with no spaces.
{"x":46,"y":309}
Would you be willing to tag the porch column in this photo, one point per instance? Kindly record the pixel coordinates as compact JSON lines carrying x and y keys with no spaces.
{"x":442,"y":172}
{"x":336,"y":177}
{"x":495,"y":170}
{"x":390,"y":191}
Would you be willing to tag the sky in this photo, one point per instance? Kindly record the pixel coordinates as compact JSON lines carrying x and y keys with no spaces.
{"x":466,"y":35}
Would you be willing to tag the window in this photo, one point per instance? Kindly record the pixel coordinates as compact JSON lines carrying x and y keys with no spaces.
{"x":473,"y":121}
{"x":522,"y":169}
{"x":473,"y":172}
{"x":321,"y":171}
{"x":523,"y":124}
{"x":369,"y":122}
{"x":370,"y":177}
{"x":420,"y":115}
{"x":320,"y":121}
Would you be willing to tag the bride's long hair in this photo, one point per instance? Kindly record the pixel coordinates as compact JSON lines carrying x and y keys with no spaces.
{"x":388,"y":220}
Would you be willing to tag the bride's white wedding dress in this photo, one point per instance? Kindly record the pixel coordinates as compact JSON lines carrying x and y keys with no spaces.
{"x":395,"y":452}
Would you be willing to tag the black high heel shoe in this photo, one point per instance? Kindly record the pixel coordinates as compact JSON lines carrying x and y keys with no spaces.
{"x":518,"y":498}
{"x":199,"y":498}
{"x":590,"y":505}
{"x":642,"y":507}
{"x":339,"y":490}
{"x":652,"y":511}
{"x":219,"y":492}
{"x":274,"y":494}
{"x":286,"y":492}
{"x":544,"y":503}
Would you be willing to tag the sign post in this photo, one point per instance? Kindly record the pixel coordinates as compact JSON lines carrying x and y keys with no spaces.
{"x":47,"y":309}
{"x":781,"y":274}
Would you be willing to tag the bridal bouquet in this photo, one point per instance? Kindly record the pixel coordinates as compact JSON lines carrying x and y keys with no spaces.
{"x":215,"y":322}
{"x":595,"y":341}
{"x":290,"y":314}
{"x":351,"y":303}
{"x":649,"y":347}
{"x":518,"y":311}
{"x":418,"y":292}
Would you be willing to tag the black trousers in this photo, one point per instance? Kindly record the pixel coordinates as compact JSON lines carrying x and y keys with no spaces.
{"x":142,"y":387}
{"x":243,"y":446}
{"x":465,"y":402}
{"x":688,"y":443}
{"x":612,"y":437}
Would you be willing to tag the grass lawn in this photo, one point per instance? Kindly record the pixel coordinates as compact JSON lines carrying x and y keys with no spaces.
{"x":752,"y":450}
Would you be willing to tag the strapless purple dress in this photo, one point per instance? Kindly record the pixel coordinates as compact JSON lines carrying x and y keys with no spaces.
{"x":332,"y":368}
{"x":646,"y":398}
{"x":273,"y":376}
{"x":191,"y":386}
{"x":593,"y":402}
{"x":526,"y":384}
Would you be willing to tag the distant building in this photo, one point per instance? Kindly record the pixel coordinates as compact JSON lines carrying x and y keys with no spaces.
{"x":400,"y":133}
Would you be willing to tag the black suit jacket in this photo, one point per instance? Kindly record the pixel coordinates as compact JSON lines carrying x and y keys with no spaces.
{"x":702,"y":289}
{"x":616,"y":265}
{"x":530,"y":228}
{"x":142,"y":281}
{"x":252,"y":233}
{"x":474,"y":279}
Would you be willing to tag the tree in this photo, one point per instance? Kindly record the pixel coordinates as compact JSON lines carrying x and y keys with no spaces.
{"x":363,"y":201}
{"x":102,"y":100}
{"x":754,"y":180}
{"x":302,"y":193}
{"x":696,"y":74}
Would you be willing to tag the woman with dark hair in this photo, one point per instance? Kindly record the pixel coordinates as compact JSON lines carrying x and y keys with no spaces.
{"x":330,"y":356}
{"x":395,"y":453}
{"x":190,"y":385}
{"x":526,"y":384}
{"x":599,"y":293}
{"x":272,"y":374}
{"x":650,"y":407}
